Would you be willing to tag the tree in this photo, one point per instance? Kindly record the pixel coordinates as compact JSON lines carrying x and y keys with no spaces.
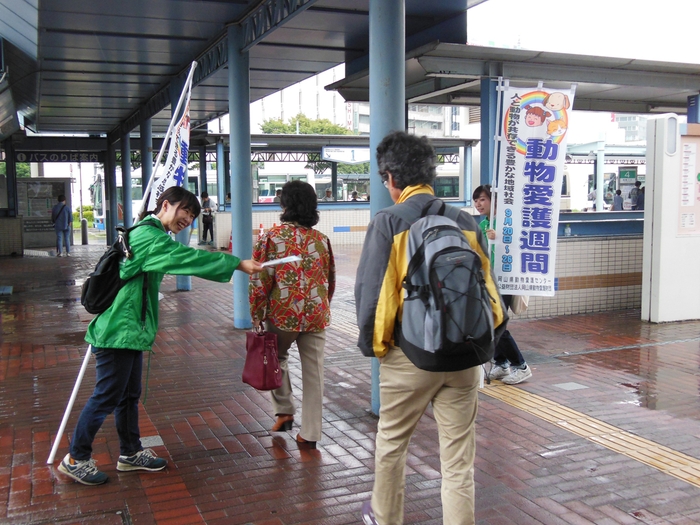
{"x":353,"y":168}
{"x":23,"y":169}
{"x":303,"y":125}
{"x":306,"y":126}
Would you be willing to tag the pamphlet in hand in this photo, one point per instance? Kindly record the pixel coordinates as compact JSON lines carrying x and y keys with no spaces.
{"x":274,"y":262}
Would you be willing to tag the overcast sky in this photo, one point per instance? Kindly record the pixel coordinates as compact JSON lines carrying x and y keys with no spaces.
{"x":659,"y":30}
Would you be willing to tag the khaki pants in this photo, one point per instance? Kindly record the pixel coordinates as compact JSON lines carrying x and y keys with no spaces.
{"x":310,"y":345}
{"x":405,"y":392}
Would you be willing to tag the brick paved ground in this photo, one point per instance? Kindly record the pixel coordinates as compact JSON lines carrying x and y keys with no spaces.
{"x":226,"y":468}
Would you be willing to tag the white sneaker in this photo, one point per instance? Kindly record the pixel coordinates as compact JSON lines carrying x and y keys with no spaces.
{"x":499,"y":372}
{"x":517,"y":375}
{"x":67,"y":254}
{"x":59,"y":255}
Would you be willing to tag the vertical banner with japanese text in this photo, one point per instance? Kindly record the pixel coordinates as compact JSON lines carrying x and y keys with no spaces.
{"x":532,"y":153}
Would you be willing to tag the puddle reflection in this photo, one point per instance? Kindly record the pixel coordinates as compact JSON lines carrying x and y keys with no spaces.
{"x":666,"y":377}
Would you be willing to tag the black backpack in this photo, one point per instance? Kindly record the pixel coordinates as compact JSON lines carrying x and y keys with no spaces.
{"x":447,"y":321}
{"x":102,"y":285}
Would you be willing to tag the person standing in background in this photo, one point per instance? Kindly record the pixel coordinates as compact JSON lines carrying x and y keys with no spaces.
{"x":640,"y":199}
{"x":61,"y":216}
{"x":509,"y":364}
{"x":634,"y":195}
{"x":207,"y":218}
{"x":617,"y":201}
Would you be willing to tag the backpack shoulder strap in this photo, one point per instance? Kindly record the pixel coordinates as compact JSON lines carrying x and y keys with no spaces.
{"x":144,"y":286}
{"x":408,"y":215}
{"x":430,"y":204}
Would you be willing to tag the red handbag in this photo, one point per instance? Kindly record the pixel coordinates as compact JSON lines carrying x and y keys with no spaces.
{"x":262,"y":367}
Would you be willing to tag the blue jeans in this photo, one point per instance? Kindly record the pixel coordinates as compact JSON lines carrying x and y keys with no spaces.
{"x":117,"y":389}
{"x":62,"y":237}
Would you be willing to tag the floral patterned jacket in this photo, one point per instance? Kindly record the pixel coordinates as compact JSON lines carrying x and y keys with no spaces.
{"x":294,"y":296}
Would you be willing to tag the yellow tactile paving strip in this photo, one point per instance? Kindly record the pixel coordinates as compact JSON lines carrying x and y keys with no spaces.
{"x":676,"y":464}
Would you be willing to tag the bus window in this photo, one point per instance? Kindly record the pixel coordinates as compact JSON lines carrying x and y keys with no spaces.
{"x":446,"y":187}
{"x":269,"y":184}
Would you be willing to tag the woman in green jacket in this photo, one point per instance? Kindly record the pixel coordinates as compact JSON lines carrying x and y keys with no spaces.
{"x":121,"y":334}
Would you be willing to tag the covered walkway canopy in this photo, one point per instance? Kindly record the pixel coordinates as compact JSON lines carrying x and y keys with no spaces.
{"x":450,"y":74}
{"x":80,"y":66}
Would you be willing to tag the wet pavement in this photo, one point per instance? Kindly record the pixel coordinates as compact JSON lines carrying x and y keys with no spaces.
{"x":607,"y":430}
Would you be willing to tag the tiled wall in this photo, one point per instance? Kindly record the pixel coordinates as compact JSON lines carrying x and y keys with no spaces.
{"x":11,"y":235}
{"x":343,"y":227}
{"x":594,"y":274}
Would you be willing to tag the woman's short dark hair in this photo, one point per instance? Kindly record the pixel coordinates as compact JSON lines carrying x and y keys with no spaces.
{"x":298,"y":200}
{"x":409,"y":159}
{"x":205,"y":195}
{"x":179,"y":197}
{"x":484,"y":188}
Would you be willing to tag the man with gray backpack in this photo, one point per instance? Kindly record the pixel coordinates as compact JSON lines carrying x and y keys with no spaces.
{"x":429,"y":309}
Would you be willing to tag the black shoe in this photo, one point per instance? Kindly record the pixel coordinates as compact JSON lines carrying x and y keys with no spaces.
{"x":303,"y":443}
{"x":284,"y":422}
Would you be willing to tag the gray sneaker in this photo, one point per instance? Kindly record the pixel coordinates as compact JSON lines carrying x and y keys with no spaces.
{"x":144,"y":459}
{"x":517,"y":375}
{"x":368,"y":514}
{"x":84,"y":472}
{"x":499,"y":371}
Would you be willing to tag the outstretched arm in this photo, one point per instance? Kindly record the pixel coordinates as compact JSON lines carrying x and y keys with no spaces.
{"x":249,"y":266}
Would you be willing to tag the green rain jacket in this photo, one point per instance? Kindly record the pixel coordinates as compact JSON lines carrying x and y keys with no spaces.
{"x":155,"y":252}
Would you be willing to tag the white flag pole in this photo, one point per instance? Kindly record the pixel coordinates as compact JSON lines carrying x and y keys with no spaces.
{"x":173,"y":120}
{"x":54,"y":448}
{"x":502,"y":86}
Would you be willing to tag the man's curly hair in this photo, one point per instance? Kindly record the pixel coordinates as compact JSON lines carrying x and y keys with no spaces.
{"x":409,"y":159}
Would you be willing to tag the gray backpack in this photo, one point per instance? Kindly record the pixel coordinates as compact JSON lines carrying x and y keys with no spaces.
{"x":447,"y":322}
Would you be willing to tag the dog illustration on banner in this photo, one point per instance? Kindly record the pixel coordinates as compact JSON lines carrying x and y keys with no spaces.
{"x":535,"y":109}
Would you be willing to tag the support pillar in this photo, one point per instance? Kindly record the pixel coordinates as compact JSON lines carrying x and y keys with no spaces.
{"x":334,"y":180}
{"x":111,"y":197}
{"x":387,"y":86}
{"x":146,"y":139}
{"x":600,"y":176}
{"x":387,"y":100}
{"x":220,"y":174}
{"x":202,"y":169}
{"x":11,"y":172}
{"x":465,"y":159}
{"x":126,"y":180}
{"x":241,"y":191}
{"x":489,"y":107}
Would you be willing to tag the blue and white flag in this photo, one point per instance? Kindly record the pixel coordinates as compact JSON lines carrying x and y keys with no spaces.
{"x":176,"y":162}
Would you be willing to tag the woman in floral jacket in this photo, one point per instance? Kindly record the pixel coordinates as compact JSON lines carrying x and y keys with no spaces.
{"x":294,"y":301}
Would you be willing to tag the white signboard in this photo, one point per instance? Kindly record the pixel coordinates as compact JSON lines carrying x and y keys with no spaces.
{"x":346,"y":155}
{"x":532,"y":151}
